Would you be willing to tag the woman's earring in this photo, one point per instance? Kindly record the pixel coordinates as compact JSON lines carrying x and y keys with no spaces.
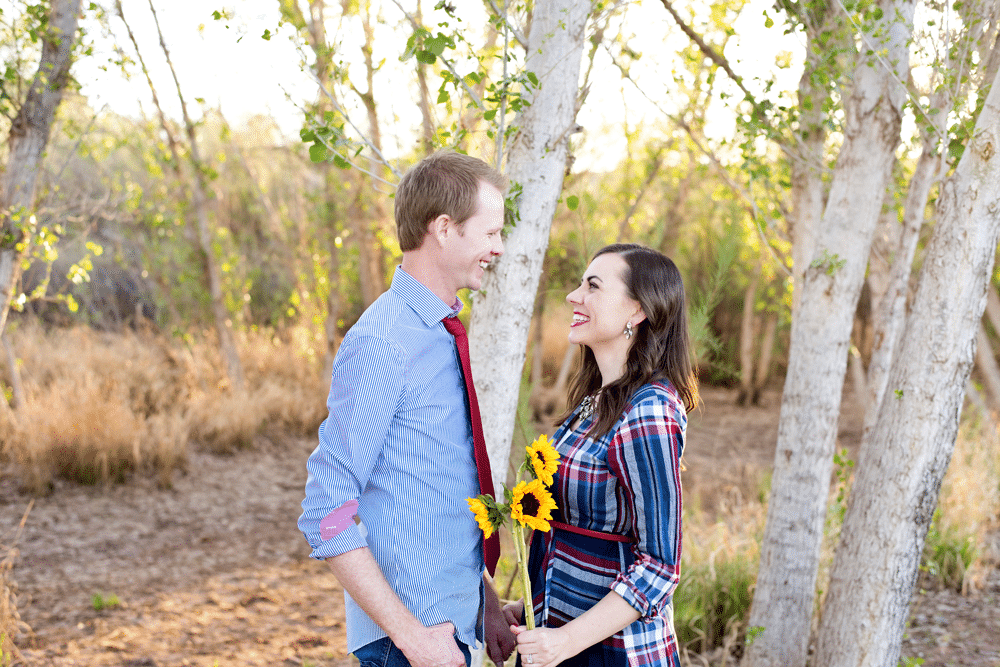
{"x":628,"y":329}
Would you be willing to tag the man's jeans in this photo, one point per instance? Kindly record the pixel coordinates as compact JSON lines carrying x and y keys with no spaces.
{"x":383,"y":653}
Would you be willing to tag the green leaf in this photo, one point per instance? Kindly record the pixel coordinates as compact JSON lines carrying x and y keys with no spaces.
{"x":436,"y":44}
{"x":318,"y":153}
{"x":267,"y":35}
{"x":426,"y":57}
{"x":341,"y":162}
{"x":572,"y":202}
{"x":490,"y":115}
{"x":955,"y":149}
{"x":533,"y":78}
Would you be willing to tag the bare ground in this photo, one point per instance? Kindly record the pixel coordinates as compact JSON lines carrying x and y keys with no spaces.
{"x":214,"y":571}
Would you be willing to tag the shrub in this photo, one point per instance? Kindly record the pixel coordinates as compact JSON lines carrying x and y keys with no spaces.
{"x":100,"y":406}
{"x":718,"y":573}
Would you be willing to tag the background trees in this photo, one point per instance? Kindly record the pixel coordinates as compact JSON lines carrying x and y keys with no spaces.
{"x":798,"y":198}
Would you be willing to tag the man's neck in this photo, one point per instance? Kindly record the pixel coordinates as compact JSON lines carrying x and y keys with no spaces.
{"x":426,"y":272}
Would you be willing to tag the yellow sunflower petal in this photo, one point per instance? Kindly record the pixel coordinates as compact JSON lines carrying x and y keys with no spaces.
{"x":532,"y":505}
{"x":482,"y":514}
{"x":544,"y":458}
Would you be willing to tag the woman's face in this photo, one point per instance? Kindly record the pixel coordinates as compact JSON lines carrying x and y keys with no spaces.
{"x":601,"y":307}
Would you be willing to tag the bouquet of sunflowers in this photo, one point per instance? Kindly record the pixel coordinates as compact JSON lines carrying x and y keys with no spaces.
{"x":529,"y":505}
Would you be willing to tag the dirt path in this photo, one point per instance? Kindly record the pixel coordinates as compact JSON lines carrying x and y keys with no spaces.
{"x":214,"y":572}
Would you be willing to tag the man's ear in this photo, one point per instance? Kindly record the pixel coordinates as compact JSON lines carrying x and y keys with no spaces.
{"x":440,"y":228}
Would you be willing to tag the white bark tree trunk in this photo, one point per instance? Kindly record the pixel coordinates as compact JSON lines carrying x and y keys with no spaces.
{"x":821,"y":328}
{"x":988,"y":366}
{"x":502,"y":310}
{"x":808,"y":156}
{"x":993,"y":308}
{"x":749,"y":333}
{"x":29,"y":134}
{"x":890,"y":313}
{"x":901,"y":466}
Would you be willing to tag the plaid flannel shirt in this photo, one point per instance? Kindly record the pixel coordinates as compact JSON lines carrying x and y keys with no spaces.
{"x":625,"y":482}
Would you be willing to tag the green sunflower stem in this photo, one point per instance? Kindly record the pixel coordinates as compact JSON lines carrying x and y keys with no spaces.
{"x":522,"y":566}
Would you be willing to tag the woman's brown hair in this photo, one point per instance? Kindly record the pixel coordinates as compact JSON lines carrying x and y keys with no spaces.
{"x":661,"y":349}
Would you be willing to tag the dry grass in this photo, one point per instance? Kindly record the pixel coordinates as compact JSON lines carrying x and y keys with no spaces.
{"x":100,"y":407}
{"x":719,"y":568}
{"x":957,"y":553}
{"x":11,"y":625}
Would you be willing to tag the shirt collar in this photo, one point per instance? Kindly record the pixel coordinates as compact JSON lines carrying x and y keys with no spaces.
{"x":421,"y":299}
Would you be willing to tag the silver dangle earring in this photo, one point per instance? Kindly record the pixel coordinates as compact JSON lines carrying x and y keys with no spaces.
{"x":629,"y":330}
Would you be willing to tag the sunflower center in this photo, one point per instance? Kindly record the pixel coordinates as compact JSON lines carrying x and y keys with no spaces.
{"x":530,"y":505}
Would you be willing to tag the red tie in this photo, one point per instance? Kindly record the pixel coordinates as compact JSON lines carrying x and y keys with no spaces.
{"x":491,"y":547}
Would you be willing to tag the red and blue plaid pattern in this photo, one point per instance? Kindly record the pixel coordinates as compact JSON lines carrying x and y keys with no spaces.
{"x":626,"y":482}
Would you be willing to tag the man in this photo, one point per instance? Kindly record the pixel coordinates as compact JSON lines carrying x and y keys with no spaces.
{"x":396,"y":448}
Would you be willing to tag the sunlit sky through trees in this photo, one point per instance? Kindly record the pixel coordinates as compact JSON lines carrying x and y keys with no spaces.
{"x":227,"y":64}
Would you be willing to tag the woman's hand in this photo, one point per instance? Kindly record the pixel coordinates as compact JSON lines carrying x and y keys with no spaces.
{"x":543,"y":647}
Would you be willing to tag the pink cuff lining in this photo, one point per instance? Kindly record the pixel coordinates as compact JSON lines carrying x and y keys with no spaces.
{"x":338,"y":520}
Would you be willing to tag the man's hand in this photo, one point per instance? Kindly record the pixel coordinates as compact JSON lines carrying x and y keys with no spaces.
{"x":434,"y":646}
{"x":513,"y":612}
{"x":500,"y":641}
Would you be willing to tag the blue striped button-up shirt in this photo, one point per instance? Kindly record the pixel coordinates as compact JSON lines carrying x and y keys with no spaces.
{"x":398,"y":440}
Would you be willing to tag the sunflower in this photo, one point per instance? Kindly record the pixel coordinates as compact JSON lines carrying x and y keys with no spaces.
{"x":487,"y":514}
{"x":544,"y":459}
{"x":532,"y":505}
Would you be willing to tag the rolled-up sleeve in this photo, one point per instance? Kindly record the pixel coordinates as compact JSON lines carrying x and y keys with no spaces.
{"x":366,"y":389}
{"x":645,"y":457}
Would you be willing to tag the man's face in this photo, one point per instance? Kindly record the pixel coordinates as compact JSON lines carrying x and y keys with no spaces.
{"x":477,"y":241}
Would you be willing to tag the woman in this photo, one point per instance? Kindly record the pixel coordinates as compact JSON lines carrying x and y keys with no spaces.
{"x":604,"y":576}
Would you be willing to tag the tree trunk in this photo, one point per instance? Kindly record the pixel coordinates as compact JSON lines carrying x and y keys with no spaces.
{"x":821,"y":328}
{"x":808,"y":157}
{"x":424,"y":102}
{"x":988,"y":367}
{"x":749,"y":332}
{"x":501,"y":311}
{"x":993,"y":308}
{"x":763,"y":372}
{"x":29,"y":134}
{"x":674,"y":218}
{"x":370,"y":211}
{"x":901,"y":465}
{"x":199,"y":195}
{"x":890,"y":313}
{"x":16,"y":387}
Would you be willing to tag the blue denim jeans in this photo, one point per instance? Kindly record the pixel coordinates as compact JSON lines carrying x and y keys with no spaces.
{"x":383,"y":653}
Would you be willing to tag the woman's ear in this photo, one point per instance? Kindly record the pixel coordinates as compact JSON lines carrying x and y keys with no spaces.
{"x":638,"y":316}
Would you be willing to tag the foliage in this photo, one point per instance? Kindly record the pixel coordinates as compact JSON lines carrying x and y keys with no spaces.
{"x":948,"y":555}
{"x":100,"y":601}
{"x":713,"y":600}
{"x":102,"y":408}
{"x":719,"y":570}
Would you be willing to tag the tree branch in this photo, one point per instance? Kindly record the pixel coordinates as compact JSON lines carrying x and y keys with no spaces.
{"x":706,"y":49}
{"x":518,"y":35}
{"x":447,"y":63}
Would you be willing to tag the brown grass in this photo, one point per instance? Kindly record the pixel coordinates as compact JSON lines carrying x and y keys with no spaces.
{"x":969,"y":504}
{"x":11,"y":625}
{"x":100,"y":407}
